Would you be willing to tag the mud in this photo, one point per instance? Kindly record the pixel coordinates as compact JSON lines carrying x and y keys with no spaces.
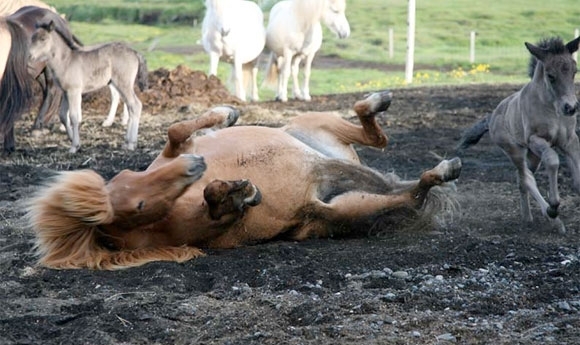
{"x":482,"y":279}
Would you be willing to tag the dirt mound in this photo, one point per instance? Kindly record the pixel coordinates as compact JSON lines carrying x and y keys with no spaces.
{"x":170,"y":89}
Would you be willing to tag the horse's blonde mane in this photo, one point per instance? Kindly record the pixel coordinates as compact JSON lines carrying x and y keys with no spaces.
{"x":65,"y":214}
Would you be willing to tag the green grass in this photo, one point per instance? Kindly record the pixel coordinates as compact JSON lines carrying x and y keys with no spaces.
{"x":442,"y":37}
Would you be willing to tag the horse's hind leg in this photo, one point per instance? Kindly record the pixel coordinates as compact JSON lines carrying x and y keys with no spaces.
{"x":355,"y":205}
{"x":180,"y":134}
{"x":9,"y":141}
{"x":115,"y":97}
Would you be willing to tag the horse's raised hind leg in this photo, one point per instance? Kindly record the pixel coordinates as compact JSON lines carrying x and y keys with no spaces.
{"x":333,"y":135}
{"x":180,"y":134}
{"x":115,"y":97}
{"x":356,"y":205}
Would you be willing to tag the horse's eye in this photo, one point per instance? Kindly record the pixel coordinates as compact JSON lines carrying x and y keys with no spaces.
{"x":551,"y":78}
{"x":141,"y":205}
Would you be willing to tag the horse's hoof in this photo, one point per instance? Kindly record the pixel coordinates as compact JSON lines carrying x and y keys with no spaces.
{"x":73,"y":149}
{"x":196,"y":166}
{"x":233,"y":116}
{"x":255,"y":199}
{"x":129,"y":146}
{"x":552,"y":211}
{"x":450,"y":169}
{"x":107,"y":124}
{"x":380,"y":101}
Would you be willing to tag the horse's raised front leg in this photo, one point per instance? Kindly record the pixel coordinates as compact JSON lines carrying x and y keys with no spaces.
{"x":180,"y":134}
{"x":230,"y":199}
{"x":541,"y":148}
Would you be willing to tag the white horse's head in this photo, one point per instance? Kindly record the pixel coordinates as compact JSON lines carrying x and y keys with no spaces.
{"x":335,"y":19}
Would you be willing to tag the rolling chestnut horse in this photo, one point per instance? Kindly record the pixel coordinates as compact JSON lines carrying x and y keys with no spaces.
{"x":235,"y":186}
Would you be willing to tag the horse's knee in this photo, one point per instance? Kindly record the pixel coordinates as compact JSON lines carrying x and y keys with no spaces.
{"x":230,"y":197}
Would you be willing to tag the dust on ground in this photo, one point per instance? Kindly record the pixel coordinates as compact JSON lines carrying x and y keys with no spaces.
{"x":483,"y":279}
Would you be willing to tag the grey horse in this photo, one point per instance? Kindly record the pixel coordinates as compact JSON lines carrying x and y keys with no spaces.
{"x":533,"y":123}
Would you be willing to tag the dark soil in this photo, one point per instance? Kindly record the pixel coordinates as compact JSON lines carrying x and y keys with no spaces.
{"x":481,"y":279}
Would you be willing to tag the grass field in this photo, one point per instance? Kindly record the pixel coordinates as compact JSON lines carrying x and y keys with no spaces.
{"x":442,"y":37}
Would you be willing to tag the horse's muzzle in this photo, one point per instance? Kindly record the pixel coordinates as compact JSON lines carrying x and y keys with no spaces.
{"x":570,"y":110}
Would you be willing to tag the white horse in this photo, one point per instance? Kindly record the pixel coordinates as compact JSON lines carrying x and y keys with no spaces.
{"x":233,"y":30}
{"x":294,"y":33}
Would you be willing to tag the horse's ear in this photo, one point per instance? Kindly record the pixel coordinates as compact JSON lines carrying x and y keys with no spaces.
{"x":538,"y":52}
{"x":572,"y":46}
{"x":50,"y":26}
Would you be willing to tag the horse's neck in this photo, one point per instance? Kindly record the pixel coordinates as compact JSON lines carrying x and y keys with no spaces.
{"x":62,"y":53}
{"x":218,"y":6}
{"x":308,"y":12}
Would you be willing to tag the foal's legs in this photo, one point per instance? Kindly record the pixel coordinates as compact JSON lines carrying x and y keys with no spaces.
{"x":74,"y":98}
{"x":134,"y":106}
{"x":541,"y":148}
{"x":115,"y":98}
{"x":214,"y":59}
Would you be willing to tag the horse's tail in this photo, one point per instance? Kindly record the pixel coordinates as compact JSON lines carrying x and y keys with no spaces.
{"x":142,"y":73}
{"x":440,"y":209}
{"x":272,"y":71}
{"x":474,"y":134}
{"x":16,"y":93}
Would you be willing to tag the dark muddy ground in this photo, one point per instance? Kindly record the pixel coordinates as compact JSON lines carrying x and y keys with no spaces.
{"x":483,"y":279}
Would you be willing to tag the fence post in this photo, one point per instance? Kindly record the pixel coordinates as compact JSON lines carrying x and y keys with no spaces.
{"x":410,"y":42}
{"x":391,"y":43}
{"x":472,"y":47}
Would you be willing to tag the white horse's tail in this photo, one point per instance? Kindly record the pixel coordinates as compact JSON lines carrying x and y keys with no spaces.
{"x":271,"y":79}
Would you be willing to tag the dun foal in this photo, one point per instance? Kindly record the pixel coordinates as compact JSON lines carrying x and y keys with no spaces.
{"x":79,"y":71}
